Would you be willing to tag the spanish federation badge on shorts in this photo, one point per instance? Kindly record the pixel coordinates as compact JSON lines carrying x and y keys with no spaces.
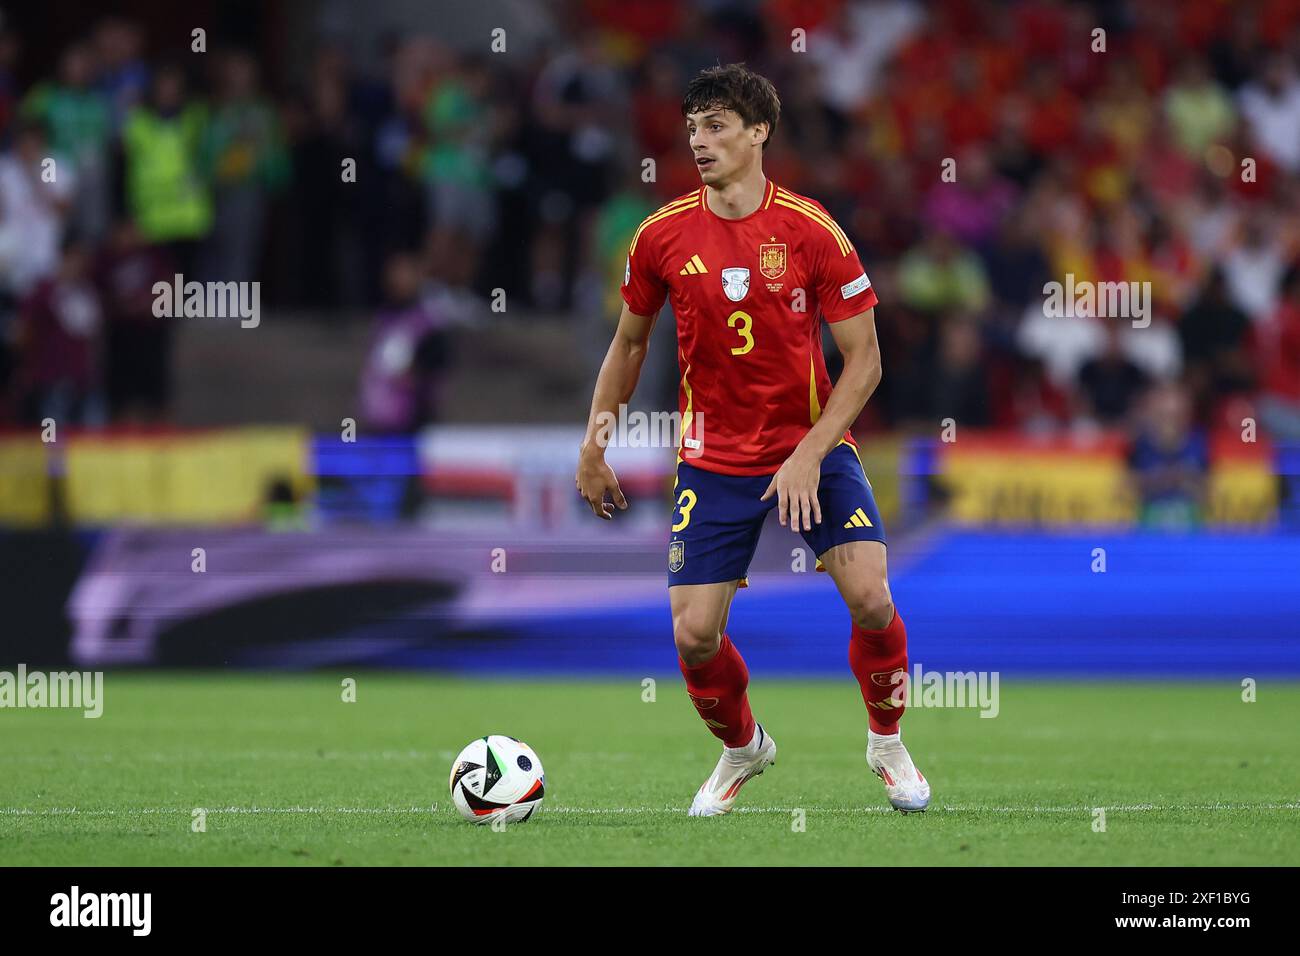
{"x":676,"y":555}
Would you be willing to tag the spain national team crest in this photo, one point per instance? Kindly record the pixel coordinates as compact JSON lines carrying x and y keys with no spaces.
{"x":735,"y":282}
{"x":771,"y":259}
{"x":676,"y":555}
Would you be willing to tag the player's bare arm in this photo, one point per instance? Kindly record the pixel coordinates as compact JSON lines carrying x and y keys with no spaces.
{"x":617,"y":380}
{"x":795,"y":483}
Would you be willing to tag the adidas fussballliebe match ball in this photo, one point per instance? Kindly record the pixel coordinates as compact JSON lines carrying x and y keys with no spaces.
{"x":497,"y":778}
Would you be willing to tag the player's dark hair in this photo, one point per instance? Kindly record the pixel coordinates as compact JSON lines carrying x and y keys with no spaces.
{"x":737,"y":88}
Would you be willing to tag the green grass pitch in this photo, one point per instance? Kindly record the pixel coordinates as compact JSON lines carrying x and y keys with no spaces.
{"x":288,"y":773}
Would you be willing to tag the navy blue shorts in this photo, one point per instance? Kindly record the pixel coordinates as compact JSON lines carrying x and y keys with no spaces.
{"x":717,"y":518}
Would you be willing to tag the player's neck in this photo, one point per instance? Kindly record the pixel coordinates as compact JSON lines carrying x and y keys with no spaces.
{"x":739,"y":198}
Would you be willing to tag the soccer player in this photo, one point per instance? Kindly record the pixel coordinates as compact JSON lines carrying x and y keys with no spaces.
{"x":751,"y":268}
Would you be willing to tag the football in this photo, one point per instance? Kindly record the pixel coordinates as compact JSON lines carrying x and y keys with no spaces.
{"x":497,"y":778}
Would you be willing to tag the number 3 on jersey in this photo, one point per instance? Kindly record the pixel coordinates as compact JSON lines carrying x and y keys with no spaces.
{"x":742,"y":323}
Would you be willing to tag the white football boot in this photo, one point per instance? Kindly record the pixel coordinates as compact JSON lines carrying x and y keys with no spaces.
{"x":735,"y":768}
{"x":889,"y":760}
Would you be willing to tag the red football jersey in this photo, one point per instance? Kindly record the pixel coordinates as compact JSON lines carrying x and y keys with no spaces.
{"x":748,"y":295}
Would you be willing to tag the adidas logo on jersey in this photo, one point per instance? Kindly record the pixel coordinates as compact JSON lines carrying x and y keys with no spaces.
{"x":859,"y":520}
{"x":694,"y":267}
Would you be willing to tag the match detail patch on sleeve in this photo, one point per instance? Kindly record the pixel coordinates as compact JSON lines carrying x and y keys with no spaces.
{"x":857,"y":285}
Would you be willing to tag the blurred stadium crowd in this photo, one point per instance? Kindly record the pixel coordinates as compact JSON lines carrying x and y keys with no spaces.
{"x":478,"y":172}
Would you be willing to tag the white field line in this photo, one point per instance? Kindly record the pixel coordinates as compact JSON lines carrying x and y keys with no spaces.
{"x":612,"y":811}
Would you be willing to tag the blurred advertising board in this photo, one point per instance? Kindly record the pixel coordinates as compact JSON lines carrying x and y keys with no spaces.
{"x":996,"y":480}
{"x":95,"y":479}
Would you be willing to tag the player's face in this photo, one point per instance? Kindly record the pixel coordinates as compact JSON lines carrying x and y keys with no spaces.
{"x":722,"y":145}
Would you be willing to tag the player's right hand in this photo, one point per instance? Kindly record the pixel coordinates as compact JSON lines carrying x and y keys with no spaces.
{"x":594,"y":479}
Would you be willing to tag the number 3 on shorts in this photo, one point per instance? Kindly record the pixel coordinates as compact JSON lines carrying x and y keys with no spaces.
{"x":685,"y":501}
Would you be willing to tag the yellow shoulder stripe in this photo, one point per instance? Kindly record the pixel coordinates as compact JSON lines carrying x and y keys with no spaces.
{"x":679,"y":205}
{"x":844,"y":248}
{"x":673,"y":206}
{"x":679,"y":201}
{"x":812,"y":212}
{"x":813,"y":209}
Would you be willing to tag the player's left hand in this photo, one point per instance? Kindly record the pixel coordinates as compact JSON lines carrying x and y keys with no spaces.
{"x":795,"y":486}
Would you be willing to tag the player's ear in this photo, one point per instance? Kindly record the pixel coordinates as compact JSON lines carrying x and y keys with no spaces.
{"x":760,"y":133}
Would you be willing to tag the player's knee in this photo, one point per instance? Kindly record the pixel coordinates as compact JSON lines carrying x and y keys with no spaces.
{"x":871,"y":605}
{"x":697,"y":638}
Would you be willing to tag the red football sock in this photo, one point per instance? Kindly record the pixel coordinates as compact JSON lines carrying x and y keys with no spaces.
{"x":879,"y":662}
{"x":717,"y":689}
